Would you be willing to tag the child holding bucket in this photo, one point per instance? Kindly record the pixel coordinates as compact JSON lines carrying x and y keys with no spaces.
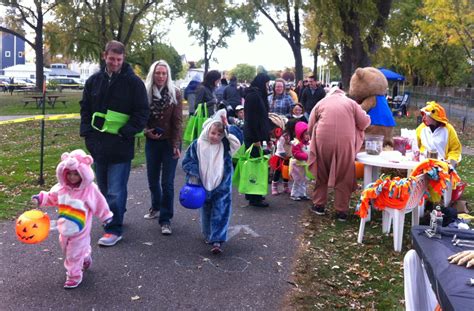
{"x":299,"y":149}
{"x":280,"y":160}
{"x":208,"y":161}
{"x":77,"y":198}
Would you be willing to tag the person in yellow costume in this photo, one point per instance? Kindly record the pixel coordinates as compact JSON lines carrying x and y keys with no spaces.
{"x":436,"y":133}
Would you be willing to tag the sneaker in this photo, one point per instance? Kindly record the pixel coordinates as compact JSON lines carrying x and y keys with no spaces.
{"x":87,"y":263}
{"x":152,"y":214}
{"x":341,"y":216}
{"x":318,"y":209}
{"x":295,"y":198}
{"x":304,"y":198}
{"x":166,"y":229}
{"x":71,"y":283}
{"x":275,"y":188}
{"x":109,"y":239}
{"x":216,"y":248}
{"x":259,"y":203}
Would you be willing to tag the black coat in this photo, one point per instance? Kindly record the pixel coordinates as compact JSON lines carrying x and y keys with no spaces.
{"x":232,"y":95}
{"x":123,"y":92}
{"x":256,"y":123}
{"x":310,"y":100}
{"x":205,"y":95}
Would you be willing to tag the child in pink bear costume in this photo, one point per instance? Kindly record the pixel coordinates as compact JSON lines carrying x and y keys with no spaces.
{"x":77,"y":198}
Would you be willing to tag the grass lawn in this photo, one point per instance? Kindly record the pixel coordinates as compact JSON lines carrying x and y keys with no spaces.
{"x":20,"y":158}
{"x":14,"y":104}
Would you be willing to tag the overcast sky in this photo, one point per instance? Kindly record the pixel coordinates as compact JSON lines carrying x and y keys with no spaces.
{"x":269,"y":48}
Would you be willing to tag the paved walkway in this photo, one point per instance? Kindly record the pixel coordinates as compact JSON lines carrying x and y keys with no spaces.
{"x":149,"y":271}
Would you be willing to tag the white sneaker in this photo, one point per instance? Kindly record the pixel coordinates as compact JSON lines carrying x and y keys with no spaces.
{"x":166,"y":229}
{"x":152,"y":214}
{"x":109,"y":239}
{"x":295,"y":198}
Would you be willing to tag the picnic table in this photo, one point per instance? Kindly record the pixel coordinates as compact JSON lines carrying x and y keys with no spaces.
{"x":38,"y":100}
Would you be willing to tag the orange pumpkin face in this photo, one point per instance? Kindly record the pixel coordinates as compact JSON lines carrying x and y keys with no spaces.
{"x":32,"y":227}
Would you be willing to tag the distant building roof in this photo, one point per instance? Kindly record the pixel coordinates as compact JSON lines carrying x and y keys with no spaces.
{"x":28,"y":67}
{"x":60,"y":70}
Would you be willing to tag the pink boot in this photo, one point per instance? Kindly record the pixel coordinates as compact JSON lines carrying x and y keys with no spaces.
{"x":275,"y":187}
{"x":286,"y":188}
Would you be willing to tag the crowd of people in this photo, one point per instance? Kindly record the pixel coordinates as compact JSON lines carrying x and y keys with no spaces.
{"x":311,"y":135}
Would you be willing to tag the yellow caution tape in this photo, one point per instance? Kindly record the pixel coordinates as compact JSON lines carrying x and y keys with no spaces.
{"x":49,"y":118}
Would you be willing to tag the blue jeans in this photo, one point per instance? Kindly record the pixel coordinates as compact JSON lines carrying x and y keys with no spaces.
{"x":160,"y":164}
{"x":112,"y":179}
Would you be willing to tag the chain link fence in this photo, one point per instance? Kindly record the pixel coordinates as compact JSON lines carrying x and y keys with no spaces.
{"x":458,"y":102}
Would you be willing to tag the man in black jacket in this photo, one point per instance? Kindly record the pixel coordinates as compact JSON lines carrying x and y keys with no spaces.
{"x":311,"y":95}
{"x":232,"y":97}
{"x":114,"y":88}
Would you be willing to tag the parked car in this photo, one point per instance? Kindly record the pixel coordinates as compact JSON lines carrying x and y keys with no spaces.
{"x":4,"y":83}
{"x":64,"y":83}
{"x":24,"y":83}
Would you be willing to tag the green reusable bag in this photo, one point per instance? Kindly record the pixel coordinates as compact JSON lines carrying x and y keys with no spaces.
{"x":238,"y":154}
{"x":195,"y":122}
{"x":113,"y":122}
{"x":309,"y":175}
{"x":252,"y":173}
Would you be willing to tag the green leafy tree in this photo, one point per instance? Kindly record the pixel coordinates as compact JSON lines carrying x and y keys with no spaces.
{"x":243,"y":72}
{"x":350,"y":31}
{"x":144,"y":55}
{"x":31,"y":13}
{"x":422,"y":44}
{"x":84,"y":27}
{"x":285,"y":17}
{"x":150,"y":49}
{"x":212,"y":22}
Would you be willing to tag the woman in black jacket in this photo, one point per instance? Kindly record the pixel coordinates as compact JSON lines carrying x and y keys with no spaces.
{"x":205,"y":91}
{"x":256,"y":125}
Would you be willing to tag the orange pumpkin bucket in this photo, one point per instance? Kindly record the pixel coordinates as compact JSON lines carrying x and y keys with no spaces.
{"x":359,"y":170}
{"x":32,"y":227}
{"x":285,"y":171}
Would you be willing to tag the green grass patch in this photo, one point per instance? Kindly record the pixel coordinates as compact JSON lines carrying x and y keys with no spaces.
{"x":20,"y":158}
{"x":333,"y":271}
{"x":14,"y":104}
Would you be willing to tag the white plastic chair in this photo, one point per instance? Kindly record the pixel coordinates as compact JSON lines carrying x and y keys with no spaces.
{"x":398,"y":216}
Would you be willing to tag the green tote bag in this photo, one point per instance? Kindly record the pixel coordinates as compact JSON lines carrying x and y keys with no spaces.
{"x":251,"y":174}
{"x":194,"y":127}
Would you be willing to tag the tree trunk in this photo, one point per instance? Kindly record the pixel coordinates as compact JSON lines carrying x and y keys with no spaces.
{"x":298,"y":63}
{"x":316,"y":50}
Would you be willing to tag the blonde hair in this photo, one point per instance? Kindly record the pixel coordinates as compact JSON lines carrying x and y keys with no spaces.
{"x":149,"y":82}
{"x":219,"y":126}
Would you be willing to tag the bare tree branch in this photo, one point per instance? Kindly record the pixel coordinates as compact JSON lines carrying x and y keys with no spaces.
{"x":12,"y":32}
{"x":281,"y":32}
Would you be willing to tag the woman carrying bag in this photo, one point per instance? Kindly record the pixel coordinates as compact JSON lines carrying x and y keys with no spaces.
{"x":256,"y":124}
{"x":163,"y":142}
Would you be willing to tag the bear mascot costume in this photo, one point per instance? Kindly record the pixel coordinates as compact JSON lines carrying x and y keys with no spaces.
{"x":368,"y":87}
